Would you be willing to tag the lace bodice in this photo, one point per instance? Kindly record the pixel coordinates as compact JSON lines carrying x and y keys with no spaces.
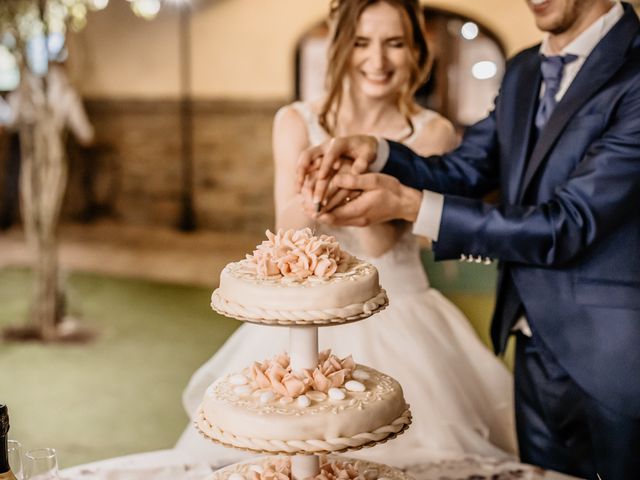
{"x":400,"y":267}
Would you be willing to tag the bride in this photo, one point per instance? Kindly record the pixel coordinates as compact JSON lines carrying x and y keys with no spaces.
{"x":460,"y":394}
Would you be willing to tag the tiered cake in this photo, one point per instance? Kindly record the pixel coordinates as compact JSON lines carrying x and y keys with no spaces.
{"x":305,"y":403}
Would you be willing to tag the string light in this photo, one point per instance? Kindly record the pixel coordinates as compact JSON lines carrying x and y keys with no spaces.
{"x":147,"y":9}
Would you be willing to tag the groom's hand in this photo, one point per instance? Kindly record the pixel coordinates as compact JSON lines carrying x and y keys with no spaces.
{"x":327,"y":158}
{"x":382,"y":198}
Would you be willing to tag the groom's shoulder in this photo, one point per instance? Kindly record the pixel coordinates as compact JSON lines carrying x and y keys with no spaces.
{"x":523,"y":56}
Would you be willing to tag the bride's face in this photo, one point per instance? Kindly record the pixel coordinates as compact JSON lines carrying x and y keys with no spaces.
{"x":380,"y":59}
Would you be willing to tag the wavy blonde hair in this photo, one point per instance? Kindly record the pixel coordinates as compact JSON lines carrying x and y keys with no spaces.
{"x":343,"y":17}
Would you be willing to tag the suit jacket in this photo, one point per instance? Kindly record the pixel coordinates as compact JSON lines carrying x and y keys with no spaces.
{"x":567,"y":229}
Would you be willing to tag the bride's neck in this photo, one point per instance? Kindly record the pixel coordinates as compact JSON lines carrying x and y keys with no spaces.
{"x":363,"y":115}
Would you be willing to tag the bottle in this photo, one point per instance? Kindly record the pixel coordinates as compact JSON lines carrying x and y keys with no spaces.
{"x":5,"y":469}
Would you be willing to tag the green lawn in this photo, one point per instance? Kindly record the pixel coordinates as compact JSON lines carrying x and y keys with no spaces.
{"x":121,"y":393}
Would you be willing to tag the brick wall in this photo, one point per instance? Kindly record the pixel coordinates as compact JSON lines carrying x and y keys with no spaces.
{"x":134,"y":172}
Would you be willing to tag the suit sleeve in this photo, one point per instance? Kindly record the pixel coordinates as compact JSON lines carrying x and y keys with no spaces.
{"x":601,"y":193}
{"x":471,"y":170}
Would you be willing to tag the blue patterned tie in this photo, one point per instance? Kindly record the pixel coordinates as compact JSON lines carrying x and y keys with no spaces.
{"x":552,"y":69}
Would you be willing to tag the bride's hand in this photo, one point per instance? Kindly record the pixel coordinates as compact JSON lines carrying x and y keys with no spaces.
{"x":325,"y":159}
{"x":334,"y":197}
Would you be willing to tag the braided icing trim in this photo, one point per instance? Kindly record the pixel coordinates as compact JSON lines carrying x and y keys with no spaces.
{"x":260,"y":445}
{"x":345,"y":314}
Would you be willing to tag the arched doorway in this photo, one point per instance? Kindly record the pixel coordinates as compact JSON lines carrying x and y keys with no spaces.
{"x":469,"y":64}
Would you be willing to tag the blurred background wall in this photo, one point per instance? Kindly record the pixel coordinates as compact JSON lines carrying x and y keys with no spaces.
{"x":237,"y":67}
{"x":242,"y":49}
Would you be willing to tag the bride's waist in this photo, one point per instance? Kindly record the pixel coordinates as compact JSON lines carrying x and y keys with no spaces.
{"x":403,"y":280}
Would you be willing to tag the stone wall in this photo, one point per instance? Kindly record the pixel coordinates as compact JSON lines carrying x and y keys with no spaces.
{"x":134,"y":172}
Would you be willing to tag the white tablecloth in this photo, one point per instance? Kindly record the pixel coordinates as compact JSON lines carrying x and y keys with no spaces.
{"x":176,"y":465}
{"x":157,"y":465}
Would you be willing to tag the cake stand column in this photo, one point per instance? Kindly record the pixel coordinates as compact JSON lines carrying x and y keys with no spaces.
{"x":303,"y":350}
{"x":304,"y":466}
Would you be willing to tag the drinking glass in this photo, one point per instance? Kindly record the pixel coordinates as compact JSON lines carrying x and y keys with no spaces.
{"x":14,"y":449}
{"x":41,"y":464}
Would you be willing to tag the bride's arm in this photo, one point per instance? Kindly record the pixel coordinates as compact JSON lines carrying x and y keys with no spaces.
{"x":289,"y":139}
{"x":436,"y":137}
{"x":376,"y":239}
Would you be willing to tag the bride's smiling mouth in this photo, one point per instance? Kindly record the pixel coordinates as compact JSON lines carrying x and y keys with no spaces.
{"x":539,"y":6}
{"x":378,"y":77}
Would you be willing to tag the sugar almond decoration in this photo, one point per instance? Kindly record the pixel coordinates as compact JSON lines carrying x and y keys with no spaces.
{"x":273,"y":380}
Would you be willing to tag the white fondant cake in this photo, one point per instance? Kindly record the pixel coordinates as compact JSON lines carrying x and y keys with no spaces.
{"x":327,"y":410}
{"x":332,"y":467}
{"x":297,"y":278}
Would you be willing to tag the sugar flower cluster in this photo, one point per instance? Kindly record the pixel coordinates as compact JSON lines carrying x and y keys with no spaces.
{"x":298,"y":254}
{"x":280,"y":469}
{"x":338,"y":470}
{"x":276,"y":375}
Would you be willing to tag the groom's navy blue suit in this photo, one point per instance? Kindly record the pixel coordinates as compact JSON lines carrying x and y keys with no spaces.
{"x":567,"y":229}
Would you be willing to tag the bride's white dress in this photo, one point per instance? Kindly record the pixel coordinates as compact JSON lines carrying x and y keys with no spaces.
{"x":461,"y":396}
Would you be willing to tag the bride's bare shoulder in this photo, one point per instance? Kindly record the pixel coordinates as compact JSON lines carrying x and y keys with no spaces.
{"x":435,"y":134}
{"x":289,"y":135}
{"x":289,"y":121}
{"x":288,"y":114}
{"x":297,"y":114}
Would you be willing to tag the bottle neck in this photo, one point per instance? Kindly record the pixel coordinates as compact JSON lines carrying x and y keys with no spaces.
{"x":4,"y":457}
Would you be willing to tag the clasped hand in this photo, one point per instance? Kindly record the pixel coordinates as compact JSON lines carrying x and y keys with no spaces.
{"x":337,"y":190}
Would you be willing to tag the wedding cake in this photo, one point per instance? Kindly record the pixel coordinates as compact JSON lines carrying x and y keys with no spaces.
{"x":302,"y":403}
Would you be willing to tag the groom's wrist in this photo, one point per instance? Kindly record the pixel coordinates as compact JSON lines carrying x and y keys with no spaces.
{"x":382,"y":155}
{"x":410,"y":202}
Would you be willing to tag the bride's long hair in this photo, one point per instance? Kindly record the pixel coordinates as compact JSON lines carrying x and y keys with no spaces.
{"x":344,"y":16}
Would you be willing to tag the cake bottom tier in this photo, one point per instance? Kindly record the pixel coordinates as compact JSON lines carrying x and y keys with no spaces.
{"x":332,"y":467}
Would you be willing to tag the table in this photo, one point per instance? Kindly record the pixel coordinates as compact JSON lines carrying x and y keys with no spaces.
{"x":174,"y":464}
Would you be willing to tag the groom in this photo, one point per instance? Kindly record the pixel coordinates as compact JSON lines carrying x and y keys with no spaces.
{"x":563,"y":146}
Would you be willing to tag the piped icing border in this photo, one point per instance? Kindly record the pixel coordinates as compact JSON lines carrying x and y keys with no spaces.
{"x":333,"y":445}
{"x":349,"y":313}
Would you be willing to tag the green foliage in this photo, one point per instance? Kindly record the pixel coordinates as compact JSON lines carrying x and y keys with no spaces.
{"x":22,"y":20}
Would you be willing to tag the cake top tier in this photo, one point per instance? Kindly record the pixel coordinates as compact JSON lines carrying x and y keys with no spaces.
{"x":296,"y":278}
